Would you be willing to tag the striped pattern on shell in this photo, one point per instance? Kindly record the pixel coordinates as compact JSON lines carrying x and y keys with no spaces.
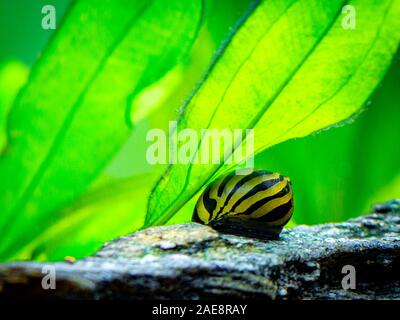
{"x":260,"y":196}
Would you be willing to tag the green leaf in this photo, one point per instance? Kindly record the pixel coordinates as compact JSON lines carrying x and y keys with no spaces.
{"x":70,"y":118}
{"x":99,"y":216}
{"x":340,"y":174}
{"x":291,"y":69}
{"x":13,"y":75}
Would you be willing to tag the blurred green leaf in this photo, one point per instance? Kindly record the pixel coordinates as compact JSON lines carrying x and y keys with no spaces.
{"x":69,"y":120}
{"x":390,"y":191}
{"x":13,"y":75}
{"x":21,"y":33}
{"x":291,"y":69}
{"x":109,"y":211}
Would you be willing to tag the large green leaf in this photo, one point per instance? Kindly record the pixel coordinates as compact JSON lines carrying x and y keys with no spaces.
{"x":70,"y":118}
{"x":291,"y":69}
{"x":341,"y":173}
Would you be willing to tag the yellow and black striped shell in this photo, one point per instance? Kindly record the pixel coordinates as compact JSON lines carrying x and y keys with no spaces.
{"x":261,"y":199}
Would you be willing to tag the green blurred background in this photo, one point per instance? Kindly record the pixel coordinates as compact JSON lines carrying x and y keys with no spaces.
{"x":336,"y":174}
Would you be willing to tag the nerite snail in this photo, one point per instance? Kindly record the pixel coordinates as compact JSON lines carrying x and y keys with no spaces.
{"x":259,"y":204}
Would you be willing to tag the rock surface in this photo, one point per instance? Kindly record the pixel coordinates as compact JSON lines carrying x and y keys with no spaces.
{"x":191,"y":261}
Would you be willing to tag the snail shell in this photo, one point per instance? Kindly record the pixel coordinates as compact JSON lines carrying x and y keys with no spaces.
{"x":260,"y":202}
